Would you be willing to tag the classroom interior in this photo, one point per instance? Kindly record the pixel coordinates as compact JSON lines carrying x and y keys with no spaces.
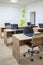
{"x":21,"y":32}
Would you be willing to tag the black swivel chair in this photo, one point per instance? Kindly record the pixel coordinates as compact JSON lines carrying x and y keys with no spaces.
{"x":28,"y":31}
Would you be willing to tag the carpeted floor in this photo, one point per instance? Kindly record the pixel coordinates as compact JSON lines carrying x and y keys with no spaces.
{"x":26,"y":61}
{"x":6,"y":57}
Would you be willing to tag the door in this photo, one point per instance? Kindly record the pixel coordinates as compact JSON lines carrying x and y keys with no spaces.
{"x":32,"y":17}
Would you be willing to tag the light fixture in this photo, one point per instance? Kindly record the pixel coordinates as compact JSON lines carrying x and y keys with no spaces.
{"x":13,"y":0}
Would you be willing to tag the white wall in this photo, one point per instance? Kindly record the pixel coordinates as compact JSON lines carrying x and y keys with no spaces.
{"x":10,"y":13}
{"x":36,"y":6}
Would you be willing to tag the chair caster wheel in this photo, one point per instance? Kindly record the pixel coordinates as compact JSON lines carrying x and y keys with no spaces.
{"x":31,"y":59}
{"x":40,"y":57}
{"x":24,"y":55}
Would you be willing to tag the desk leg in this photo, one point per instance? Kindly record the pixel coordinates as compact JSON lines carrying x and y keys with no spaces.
{"x":16,"y":49}
{"x":0,"y":33}
{"x":5,"y":37}
{"x":41,"y":47}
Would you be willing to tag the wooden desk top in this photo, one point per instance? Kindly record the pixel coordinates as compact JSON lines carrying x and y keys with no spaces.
{"x":39,"y":28}
{"x":2,"y":27}
{"x":8,"y":30}
{"x":23,"y":37}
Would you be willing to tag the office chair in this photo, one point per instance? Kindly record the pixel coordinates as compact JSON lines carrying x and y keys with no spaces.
{"x":41,"y":46}
{"x":41,"y":25}
{"x":36,"y":41}
{"x":28,"y":31}
{"x":14,"y":26}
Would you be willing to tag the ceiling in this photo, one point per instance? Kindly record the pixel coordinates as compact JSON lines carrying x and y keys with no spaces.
{"x":19,"y":1}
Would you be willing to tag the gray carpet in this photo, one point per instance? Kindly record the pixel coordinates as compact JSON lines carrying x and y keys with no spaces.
{"x":6,"y":57}
{"x":27,"y":61}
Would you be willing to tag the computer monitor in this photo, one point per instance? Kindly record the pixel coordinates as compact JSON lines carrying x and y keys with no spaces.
{"x":28,"y":31}
{"x":7,"y":24}
{"x":14,"y":26}
{"x":28,"y":23}
{"x":41,"y":25}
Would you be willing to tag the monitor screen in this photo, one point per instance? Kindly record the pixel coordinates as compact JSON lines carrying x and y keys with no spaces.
{"x":28,"y":30}
{"x":41,"y":25}
{"x":28,"y":23}
{"x":14,"y":26}
{"x":6,"y":24}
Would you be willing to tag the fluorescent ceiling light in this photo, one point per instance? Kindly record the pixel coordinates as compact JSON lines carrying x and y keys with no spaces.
{"x":13,"y":0}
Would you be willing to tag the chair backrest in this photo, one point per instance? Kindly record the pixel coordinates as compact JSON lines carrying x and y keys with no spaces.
{"x":37,"y":39}
{"x":7,"y":24}
{"x":41,"y":46}
{"x":14,"y":26}
{"x":41,"y":25}
{"x":28,"y":30}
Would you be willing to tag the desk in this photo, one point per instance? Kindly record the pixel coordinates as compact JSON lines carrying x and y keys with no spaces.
{"x":9,"y":32}
{"x":39,"y":29}
{"x":35,"y":28}
{"x":2,"y":30}
{"x":17,"y":39}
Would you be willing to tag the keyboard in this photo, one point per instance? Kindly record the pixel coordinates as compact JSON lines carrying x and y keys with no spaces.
{"x":29,"y":34}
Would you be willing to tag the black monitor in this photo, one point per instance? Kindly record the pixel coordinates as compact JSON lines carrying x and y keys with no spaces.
{"x":7,"y":24}
{"x":28,"y":23}
{"x":14,"y":26}
{"x":28,"y":31}
{"x":41,"y":25}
